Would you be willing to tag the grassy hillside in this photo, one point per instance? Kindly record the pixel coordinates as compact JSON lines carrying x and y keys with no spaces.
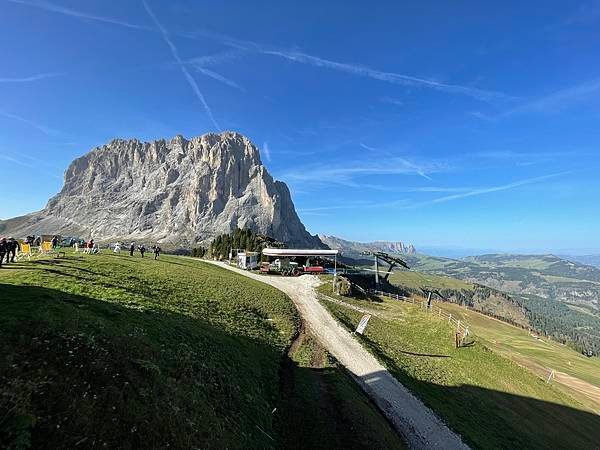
{"x":486,"y":300}
{"x":491,"y":401}
{"x":561,"y":298}
{"x":578,"y":375}
{"x":111,"y":351}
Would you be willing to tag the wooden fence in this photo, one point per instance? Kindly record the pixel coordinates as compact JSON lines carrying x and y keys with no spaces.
{"x":461,"y":326}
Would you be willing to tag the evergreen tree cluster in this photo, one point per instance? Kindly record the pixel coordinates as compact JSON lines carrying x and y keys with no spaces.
{"x":198,"y":252}
{"x":555,"y":319}
{"x":240,"y":239}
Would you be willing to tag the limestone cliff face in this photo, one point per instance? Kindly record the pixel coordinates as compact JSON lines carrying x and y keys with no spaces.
{"x":178,"y":191}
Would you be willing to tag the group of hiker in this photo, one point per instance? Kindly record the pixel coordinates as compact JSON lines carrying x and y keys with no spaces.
{"x":89,"y":247}
{"x":10,"y":246}
{"x":141,"y":248}
{"x":8,"y":249}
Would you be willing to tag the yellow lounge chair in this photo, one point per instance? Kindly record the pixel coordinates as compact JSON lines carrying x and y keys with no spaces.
{"x":25,"y":251}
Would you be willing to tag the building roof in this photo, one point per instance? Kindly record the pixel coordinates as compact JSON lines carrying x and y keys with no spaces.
{"x":298,"y":252}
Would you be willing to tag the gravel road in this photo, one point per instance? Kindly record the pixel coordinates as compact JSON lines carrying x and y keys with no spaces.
{"x":419,"y":426}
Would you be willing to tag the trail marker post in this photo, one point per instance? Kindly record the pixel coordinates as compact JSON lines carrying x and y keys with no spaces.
{"x":360,"y":329}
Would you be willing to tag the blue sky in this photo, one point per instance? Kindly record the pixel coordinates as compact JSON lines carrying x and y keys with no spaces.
{"x":460,"y":124}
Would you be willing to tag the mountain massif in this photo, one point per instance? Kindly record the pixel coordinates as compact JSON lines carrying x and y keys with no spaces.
{"x":177,"y":191}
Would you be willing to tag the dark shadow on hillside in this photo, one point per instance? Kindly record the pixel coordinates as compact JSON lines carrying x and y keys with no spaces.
{"x":92,"y":372}
{"x":488,"y":418}
{"x":83,"y":372}
{"x":324,"y":408}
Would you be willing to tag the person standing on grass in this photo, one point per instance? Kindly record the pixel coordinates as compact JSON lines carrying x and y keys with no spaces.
{"x":12,"y":247}
{"x":142,"y":250}
{"x":156,"y":249}
{"x":3,"y":250}
{"x":131,"y":249}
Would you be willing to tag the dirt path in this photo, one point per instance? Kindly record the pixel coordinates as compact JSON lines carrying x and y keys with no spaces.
{"x":420,"y":427}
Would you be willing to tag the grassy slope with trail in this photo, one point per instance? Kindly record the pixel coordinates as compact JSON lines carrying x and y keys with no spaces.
{"x":539,"y":355}
{"x":124,"y":352}
{"x":560,"y":298}
{"x":491,"y":401}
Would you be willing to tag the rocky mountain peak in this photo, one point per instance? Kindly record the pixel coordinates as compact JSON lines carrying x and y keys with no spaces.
{"x":176,"y":191}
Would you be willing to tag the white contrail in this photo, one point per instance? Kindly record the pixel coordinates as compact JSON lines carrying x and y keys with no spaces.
{"x":557,"y":100}
{"x":45,"y":5}
{"x":488,"y":190}
{"x":216,"y":76}
{"x":418,"y":170}
{"x":389,"y":77}
{"x":35,"y":166}
{"x":44,"y":129}
{"x":37,"y":77}
{"x":303,"y":58}
{"x":402,"y":203}
{"x":190,"y":79}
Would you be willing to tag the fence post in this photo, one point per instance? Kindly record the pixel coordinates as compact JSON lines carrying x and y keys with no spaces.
{"x":458,"y":326}
{"x":439,"y":312}
{"x":450,"y":318}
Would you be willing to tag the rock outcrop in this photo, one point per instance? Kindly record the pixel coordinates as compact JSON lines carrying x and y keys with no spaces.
{"x":180,"y":192}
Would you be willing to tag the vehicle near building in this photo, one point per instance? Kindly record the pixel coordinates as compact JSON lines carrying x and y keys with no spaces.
{"x":294,"y":262}
{"x":247,"y":260}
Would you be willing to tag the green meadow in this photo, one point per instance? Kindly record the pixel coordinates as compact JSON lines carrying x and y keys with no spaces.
{"x":106,"y":351}
{"x":489,"y":399}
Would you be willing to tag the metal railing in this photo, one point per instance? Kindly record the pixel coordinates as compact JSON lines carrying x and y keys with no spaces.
{"x":461,"y":325}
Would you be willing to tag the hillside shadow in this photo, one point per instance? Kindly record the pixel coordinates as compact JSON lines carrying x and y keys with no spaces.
{"x":488,"y":418}
{"x":92,"y":372}
{"x":77,"y":371}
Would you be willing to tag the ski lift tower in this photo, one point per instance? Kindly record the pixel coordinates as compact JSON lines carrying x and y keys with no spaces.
{"x":392,"y":262}
{"x":428,"y":292}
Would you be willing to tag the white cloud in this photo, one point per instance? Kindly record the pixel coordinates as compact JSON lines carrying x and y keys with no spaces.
{"x":267,"y":151}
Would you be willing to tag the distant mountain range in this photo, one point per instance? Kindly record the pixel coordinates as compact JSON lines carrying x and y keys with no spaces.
{"x":591,"y":260}
{"x":353,"y":249}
